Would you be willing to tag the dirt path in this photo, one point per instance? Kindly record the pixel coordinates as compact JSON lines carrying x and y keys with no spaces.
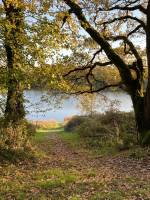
{"x":64,"y":156}
{"x":107,"y":167}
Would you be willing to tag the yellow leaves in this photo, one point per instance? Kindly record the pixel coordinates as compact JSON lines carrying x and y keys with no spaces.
{"x":72,"y":25}
{"x":15,"y":3}
{"x":31,"y":5}
{"x":134,"y":74}
{"x":103,"y":73}
{"x":46,"y":6}
{"x":60,"y":17}
{"x":68,"y":20}
{"x":28,"y":86}
{"x":84,"y":24}
{"x":87,"y":103}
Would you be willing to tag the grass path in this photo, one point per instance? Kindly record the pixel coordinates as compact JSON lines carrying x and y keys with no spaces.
{"x":64,"y":171}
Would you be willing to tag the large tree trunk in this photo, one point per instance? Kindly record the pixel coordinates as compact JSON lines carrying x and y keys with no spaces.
{"x":141,"y":118}
{"x":138,"y":106}
{"x":147,"y":96}
{"x":14,"y":111}
{"x":145,"y":117}
{"x":14,"y":33}
{"x":14,"y":125}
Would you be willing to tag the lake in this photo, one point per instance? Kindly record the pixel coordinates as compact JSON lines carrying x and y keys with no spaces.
{"x":41,"y":106}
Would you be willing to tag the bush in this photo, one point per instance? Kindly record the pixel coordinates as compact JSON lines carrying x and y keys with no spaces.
{"x":109,"y":128}
{"x":123,"y":125}
{"x":93,"y":128}
{"x":96,"y":133}
{"x":31,"y":128}
{"x":15,"y":136}
{"x":74,"y":122}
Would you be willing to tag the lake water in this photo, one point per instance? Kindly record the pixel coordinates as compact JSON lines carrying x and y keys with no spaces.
{"x":46,"y":110}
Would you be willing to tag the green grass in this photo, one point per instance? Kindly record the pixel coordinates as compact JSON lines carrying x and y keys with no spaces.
{"x":104,"y":151}
{"x":40,"y":135}
{"x":75,"y":141}
{"x":55,"y":178}
{"x":72,"y":138}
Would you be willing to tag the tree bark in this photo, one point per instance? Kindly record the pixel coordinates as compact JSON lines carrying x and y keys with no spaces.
{"x":14,"y":112}
{"x":147,"y":95}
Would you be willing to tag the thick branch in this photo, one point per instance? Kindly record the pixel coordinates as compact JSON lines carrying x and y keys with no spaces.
{"x":111,"y":54}
{"x":127,"y":41}
{"x":139,"y":67}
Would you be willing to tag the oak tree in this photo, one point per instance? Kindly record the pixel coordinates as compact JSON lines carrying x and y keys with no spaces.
{"x":128,"y":22}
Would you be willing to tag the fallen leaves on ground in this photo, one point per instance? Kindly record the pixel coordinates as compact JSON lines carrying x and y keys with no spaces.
{"x":65,"y":173}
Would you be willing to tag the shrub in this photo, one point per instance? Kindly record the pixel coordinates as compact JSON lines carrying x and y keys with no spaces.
{"x":15,"y":136}
{"x":93,"y":128}
{"x":95,"y":132}
{"x":108,"y":128}
{"x":31,"y":128}
{"x":74,"y":122}
{"x":123,"y":125}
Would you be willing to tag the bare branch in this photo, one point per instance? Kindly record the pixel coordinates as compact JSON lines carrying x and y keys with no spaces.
{"x":76,"y":69}
{"x":126,"y":8}
{"x":125,"y":18}
{"x":134,"y":30}
{"x":95,"y":54}
{"x":97,"y":90}
{"x":88,"y":67}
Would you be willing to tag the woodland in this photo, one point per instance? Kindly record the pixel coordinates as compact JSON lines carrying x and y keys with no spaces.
{"x":77,"y":48}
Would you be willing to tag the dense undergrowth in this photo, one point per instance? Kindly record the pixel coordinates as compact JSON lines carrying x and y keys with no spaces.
{"x":15,"y":142}
{"x":109,"y":129}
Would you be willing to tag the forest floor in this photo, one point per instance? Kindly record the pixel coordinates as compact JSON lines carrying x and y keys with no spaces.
{"x":65,"y":170}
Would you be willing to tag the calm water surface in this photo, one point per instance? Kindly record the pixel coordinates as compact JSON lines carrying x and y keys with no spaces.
{"x":42,"y":110}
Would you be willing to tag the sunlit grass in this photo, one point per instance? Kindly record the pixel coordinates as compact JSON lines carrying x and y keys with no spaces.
{"x":40,"y":135}
{"x":70,"y":138}
{"x":75,"y":141}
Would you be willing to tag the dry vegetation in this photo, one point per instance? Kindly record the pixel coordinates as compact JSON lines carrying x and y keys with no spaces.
{"x":45,"y":124}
